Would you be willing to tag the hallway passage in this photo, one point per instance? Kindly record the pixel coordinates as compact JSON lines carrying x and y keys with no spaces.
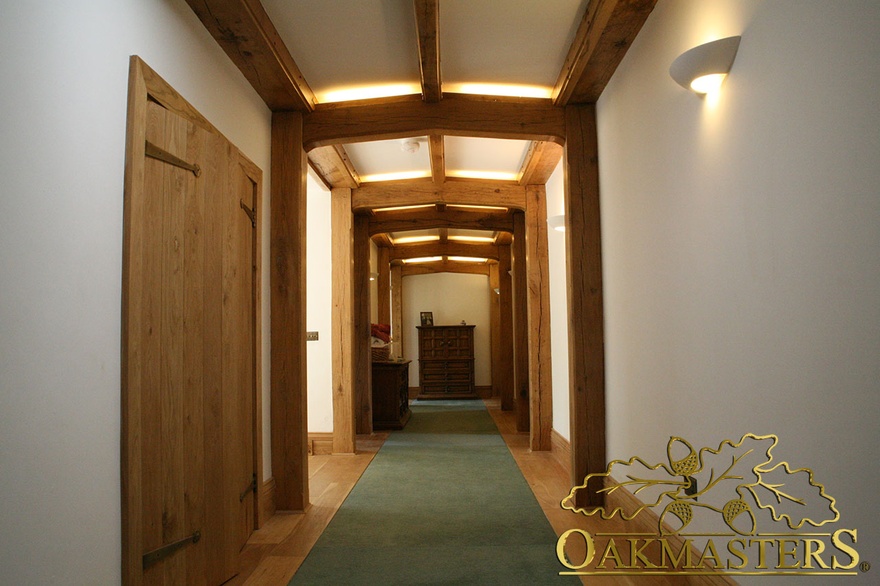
{"x":277,"y":550}
{"x":443,"y":502}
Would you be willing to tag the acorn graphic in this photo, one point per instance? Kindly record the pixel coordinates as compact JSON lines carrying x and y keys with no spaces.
{"x":681,"y":510}
{"x":687,"y":465}
{"x":734,"y":510}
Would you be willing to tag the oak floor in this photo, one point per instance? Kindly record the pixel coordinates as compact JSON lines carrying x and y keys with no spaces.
{"x":275,"y":551}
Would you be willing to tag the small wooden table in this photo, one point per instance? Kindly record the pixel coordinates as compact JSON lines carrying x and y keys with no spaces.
{"x":391,"y":394}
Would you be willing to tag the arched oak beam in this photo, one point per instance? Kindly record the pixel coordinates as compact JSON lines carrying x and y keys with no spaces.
{"x":454,"y":115}
{"x":405,"y":251}
{"x":370,"y":196}
{"x":432,"y":218}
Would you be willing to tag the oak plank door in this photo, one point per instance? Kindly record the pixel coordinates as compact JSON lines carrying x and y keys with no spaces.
{"x":189,"y":380}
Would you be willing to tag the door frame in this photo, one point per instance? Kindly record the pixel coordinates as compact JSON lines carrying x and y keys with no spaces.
{"x":146,"y":85}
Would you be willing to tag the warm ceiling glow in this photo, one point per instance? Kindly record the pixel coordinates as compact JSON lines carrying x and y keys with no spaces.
{"x":402,"y":208}
{"x":468,"y":259}
{"x":368,"y":92}
{"x":476,"y":207}
{"x":472,"y":238}
{"x":412,"y":239}
{"x":499,"y":89}
{"x":493,"y":175}
{"x":422,"y":259}
{"x":396,"y":176}
{"x":708,"y":84}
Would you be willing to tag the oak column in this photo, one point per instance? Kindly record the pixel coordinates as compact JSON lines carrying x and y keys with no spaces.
{"x":586,"y":347}
{"x":538,"y":304}
{"x":397,"y":309}
{"x":342,"y":320}
{"x":363,"y":374}
{"x":288,"y":305}
{"x":383,"y":286}
{"x":520,"y":324}
{"x":505,"y":300}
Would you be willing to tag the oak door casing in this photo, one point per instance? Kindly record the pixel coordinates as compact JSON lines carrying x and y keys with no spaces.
{"x":189,"y":384}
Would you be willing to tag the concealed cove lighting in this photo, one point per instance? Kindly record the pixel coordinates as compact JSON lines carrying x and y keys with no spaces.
{"x":557,"y":223}
{"x":491,"y":175}
{"x":369,"y":92}
{"x":468,"y":259}
{"x":462,"y":206}
{"x":499,"y":89}
{"x":396,"y":176}
{"x":413,"y":239}
{"x":703,"y":68}
{"x":402,"y":208}
{"x":421,"y":259}
{"x":487,"y":239}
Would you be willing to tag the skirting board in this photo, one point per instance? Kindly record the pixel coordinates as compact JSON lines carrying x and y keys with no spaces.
{"x":483,"y":392}
{"x":267,"y":501}
{"x":646,"y":522}
{"x":320,"y":443}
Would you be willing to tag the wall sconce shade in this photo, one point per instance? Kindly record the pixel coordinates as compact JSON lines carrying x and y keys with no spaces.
{"x":703,"y":68}
{"x":374,"y":276}
{"x":557,"y":223}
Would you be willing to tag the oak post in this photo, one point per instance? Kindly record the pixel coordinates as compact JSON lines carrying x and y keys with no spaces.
{"x":505,"y":299}
{"x":495,"y":328}
{"x":363,"y":375}
{"x":520,"y":324}
{"x":288,"y":305}
{"x":538,"y":305}
{"x":342,"y":318}
{"x":397,"y":308}
{"x":383,"y":285}
{"x":586,"y":348}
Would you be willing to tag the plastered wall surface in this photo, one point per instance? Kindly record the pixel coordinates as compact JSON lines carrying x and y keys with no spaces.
{"x":740,"y":240}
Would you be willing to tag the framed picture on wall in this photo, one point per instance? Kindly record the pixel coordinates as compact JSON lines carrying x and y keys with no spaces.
{"x":427,"y":318}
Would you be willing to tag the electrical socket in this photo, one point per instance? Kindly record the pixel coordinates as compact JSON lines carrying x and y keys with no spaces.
{"x":311,"y":336}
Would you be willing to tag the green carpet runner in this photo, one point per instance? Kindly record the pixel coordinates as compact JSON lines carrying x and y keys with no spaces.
{"x":443,"y":502}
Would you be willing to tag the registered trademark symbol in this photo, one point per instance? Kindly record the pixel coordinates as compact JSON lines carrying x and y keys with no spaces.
{"x":865,"y":566}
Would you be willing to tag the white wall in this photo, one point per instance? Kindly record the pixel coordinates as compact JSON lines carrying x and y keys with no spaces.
{"x":452,"y":297}
{"x":741,"y":239}
{"x":319,"y":306}
{"x":558,"y":305}
{"x":62,"y":141}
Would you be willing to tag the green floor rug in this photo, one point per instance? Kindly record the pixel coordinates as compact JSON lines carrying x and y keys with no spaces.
{"x":443,"y":502}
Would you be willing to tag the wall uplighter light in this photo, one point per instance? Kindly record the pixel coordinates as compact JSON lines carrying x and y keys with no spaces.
{"x":703,"y":68}
{"x":557,"y":222}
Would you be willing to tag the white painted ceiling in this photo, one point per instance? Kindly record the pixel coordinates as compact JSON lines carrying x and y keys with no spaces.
{"x":347,"y":44}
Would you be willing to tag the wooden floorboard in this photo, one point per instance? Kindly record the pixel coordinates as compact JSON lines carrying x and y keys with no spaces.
{"x":275,"y":551}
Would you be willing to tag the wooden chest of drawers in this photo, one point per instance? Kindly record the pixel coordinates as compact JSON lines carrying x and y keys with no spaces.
{"x":446,"y":362}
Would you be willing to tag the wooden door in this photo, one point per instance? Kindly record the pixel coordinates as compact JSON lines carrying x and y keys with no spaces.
{"x":189,"y":376}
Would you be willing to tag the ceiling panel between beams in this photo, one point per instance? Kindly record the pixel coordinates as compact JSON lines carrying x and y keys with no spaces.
{"x":506,"y":41}
{"x":484,"y":155}
{"x":344,"y":44}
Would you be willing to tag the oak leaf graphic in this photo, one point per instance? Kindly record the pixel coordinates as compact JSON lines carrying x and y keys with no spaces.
{"x":728,"y":480}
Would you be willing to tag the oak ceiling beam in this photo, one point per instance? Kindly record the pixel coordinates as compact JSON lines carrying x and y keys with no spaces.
{"x":603,"y":37}
{"x":333,"y":166}
{"x":404,"y":251}
{"x":540,"y":162}
{"x":455,"y":115}
{"x":431,"y":218}
{"x":447,"y":266}
{"x":245,"y":32}
{"x":427,"y":29}
{"x":398,"y":193}
{"x":437,"y":152}
{"x":382,"y":240}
